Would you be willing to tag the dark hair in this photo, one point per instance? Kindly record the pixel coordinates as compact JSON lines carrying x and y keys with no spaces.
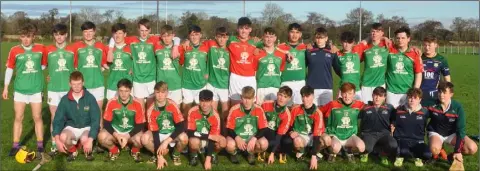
{"x":205,"y":95}
{"x":76,"y":75}
{"x":321,"y":32}
{"x":221,"y":31}
{"x":377,"y":26}
{"x":269,"y":30}
{"x":414,"y":92}
{"x":194,"y":28}
{"x":285,"y":90}
{"x":166,"y":29}
{"x":430,"y":39}
{"x":87,"y":25}
{"x":145,"y":22}
{"x":118,"y":27}
{"x":347,"y":37}
{"x":28,"y":28}
{"x":379,"y":91}
{"x":244,"y":21}
{"x":59,"y":28}
{"x":443,"y":86}
{"x":403,"y":29}
{"x":125,"y":83}
{"x":306,"y":91}
{"x":294,"y":26}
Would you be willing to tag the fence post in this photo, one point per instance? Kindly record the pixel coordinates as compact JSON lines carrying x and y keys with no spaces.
{"x":458,"y":49}
{"x":465,"y":50}
{"x":451,"y":48}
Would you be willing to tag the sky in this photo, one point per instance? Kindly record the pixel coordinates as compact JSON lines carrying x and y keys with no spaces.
{"x":414,"y":12}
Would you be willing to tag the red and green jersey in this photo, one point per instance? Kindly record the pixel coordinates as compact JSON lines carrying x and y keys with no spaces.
{"x":401,"y":69}
{"x":375,"y":63}
{"x":278,"y":118}
{"x":121,"y":67}
{"x":241,"y":56}
{"x":307,"y":123}
{"x":61,"y":62}
{"x":246,"y":124}
{"x":218,"y":65}
{"x":203,"y":123}
{"x":347,"y":66}
{"x":164,"y":121}
{"x":194,"y":61}
{"x":91,"y":58}
{"x":296,"y":69}
{"x":28,"y":65}
{"x":168,"y":69}
{"x":269,"y":67}
{"x":342,"y":120}
{"x":124,"y":117}
{"x":144,"y":63}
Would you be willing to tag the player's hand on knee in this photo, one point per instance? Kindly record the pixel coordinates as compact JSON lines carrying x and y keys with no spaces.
{"x":87,"y":147}
{"x":61,"y":147}
{"x":293,"y":134}
{"x":251,"y":144}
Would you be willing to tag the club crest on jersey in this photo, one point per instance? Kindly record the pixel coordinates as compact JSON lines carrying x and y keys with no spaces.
{"x":193,"y":63}
{"x":403,"y":117}
{"x":29,"y":65}
{"x":369,"y":112}
{"x":167,"y":64}
{"x":328,"y":55}
{"x":435,"y":65}
{"x":244,"y":58}
{"x":271,"y":70}
{"x":86,"y":108}
{"x":451,"y":119}
{"x":384,"y":112}
{"x":419,"y":117}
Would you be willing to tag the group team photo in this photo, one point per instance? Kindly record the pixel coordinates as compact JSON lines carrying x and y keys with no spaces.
{"x":172,"y":101}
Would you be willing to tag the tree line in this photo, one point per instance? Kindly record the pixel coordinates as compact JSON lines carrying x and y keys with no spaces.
{"x":461,"y":30}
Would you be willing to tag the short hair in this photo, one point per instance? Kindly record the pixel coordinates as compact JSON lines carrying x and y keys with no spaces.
{"x":379,"y":91}
{"x":161,"y":86}
{"x":28,"y":29}
{"x":205,"y":95}
{"x":321,"y":32}
{"x":119,"y":26}
{"x":443,"y":86}
{"x":248,"y":92}
{"x":403,"y":29}
{"x":285,"y":90}
{"x":221,"y":31}
{"x":76,"y":75}
{"x":166,"y":29}
{"x":347,"y":36}
{"x":414,"y":92}
{"x":87,"y":25}
{"x":125,"y":83}
{"x":59,"y":28}
{"x":244,"y":21}
{"x":306,"y":91}
{"x":194,"y":28}
{"x":348,"y":86}
{"x":377,"y":26}
{"x":145,"y":22}
{"x":269,"y":30}
{"x":294,"y":26}
{"x":430,"y":39}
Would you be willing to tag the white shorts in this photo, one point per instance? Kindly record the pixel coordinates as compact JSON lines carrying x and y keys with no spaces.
{"x":264,"y":94}
{"x":218,"y":93}
{"x":111,"y":94}
{"x":237,"y":82}
{"x":295,"y":86}
{"x":32,"y":98}
{"x":367,"y":93}
{"x":98,"y":93}
{"x":55,"y":97}
{"x":342,"y":142}
{"x":358,"y":94}
{"x":189,"y":96}
{"x":308,"y":139}
{"x":143,"y":90}
{"x":77,"y":132}
{"x":176,"y":96}
{"x":162,"y":137}
{"x":322,"y":96}
{"x":446,"y":140}
{"x":396,"y":99}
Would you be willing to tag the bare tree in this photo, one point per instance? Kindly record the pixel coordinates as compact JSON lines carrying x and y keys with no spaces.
{"x":271,"y":12}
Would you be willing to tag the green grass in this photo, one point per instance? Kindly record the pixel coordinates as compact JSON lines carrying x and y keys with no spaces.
{"x":464,"y":69}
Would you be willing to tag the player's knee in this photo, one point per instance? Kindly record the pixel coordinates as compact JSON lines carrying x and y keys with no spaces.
{"x":326,"y":139}
{"x":435,"y":149}
{"x":426,"y":155}
{"x":194,"y":143}
{"x":298,"y":142}
{"x":360,"y":145}
{"x":63,"y":137}
{"x":405,"y":152}
{"x":263,"y":144}
{"x":146,"y":139}
{"x":222,"y":143}
{"x":19,"y":118}
{"x":231,"y":145}
{"x":336,"y":146}
{"x":183,"y":138}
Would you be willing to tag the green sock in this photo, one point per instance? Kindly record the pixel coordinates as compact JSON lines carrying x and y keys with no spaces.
{"x":176,"y":153}
{"x":194,"y":154}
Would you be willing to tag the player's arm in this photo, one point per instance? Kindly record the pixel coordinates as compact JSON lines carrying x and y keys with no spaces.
{"x":231,"y":123}
{"x":261,"y":122}
{"x":94,"y":113}
{"x":179,"y":124}
{"x":281,"y":131}
{"x":58,"y":122}
{"x":446,"y":71}
{"x":107,"y":118}
{"x":104,"y":56}
{"x":9,"y":71}
{"x":318,"y":130}
{"x":214,"y":131}
{"x":176,"y":43}
{"x":111,"y":45}
{"x":44,"y":58}
{"x":336,"y":65}
{"x":139,"y":120}
{"x":418,"y":69}
{"x":460,"y":131}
